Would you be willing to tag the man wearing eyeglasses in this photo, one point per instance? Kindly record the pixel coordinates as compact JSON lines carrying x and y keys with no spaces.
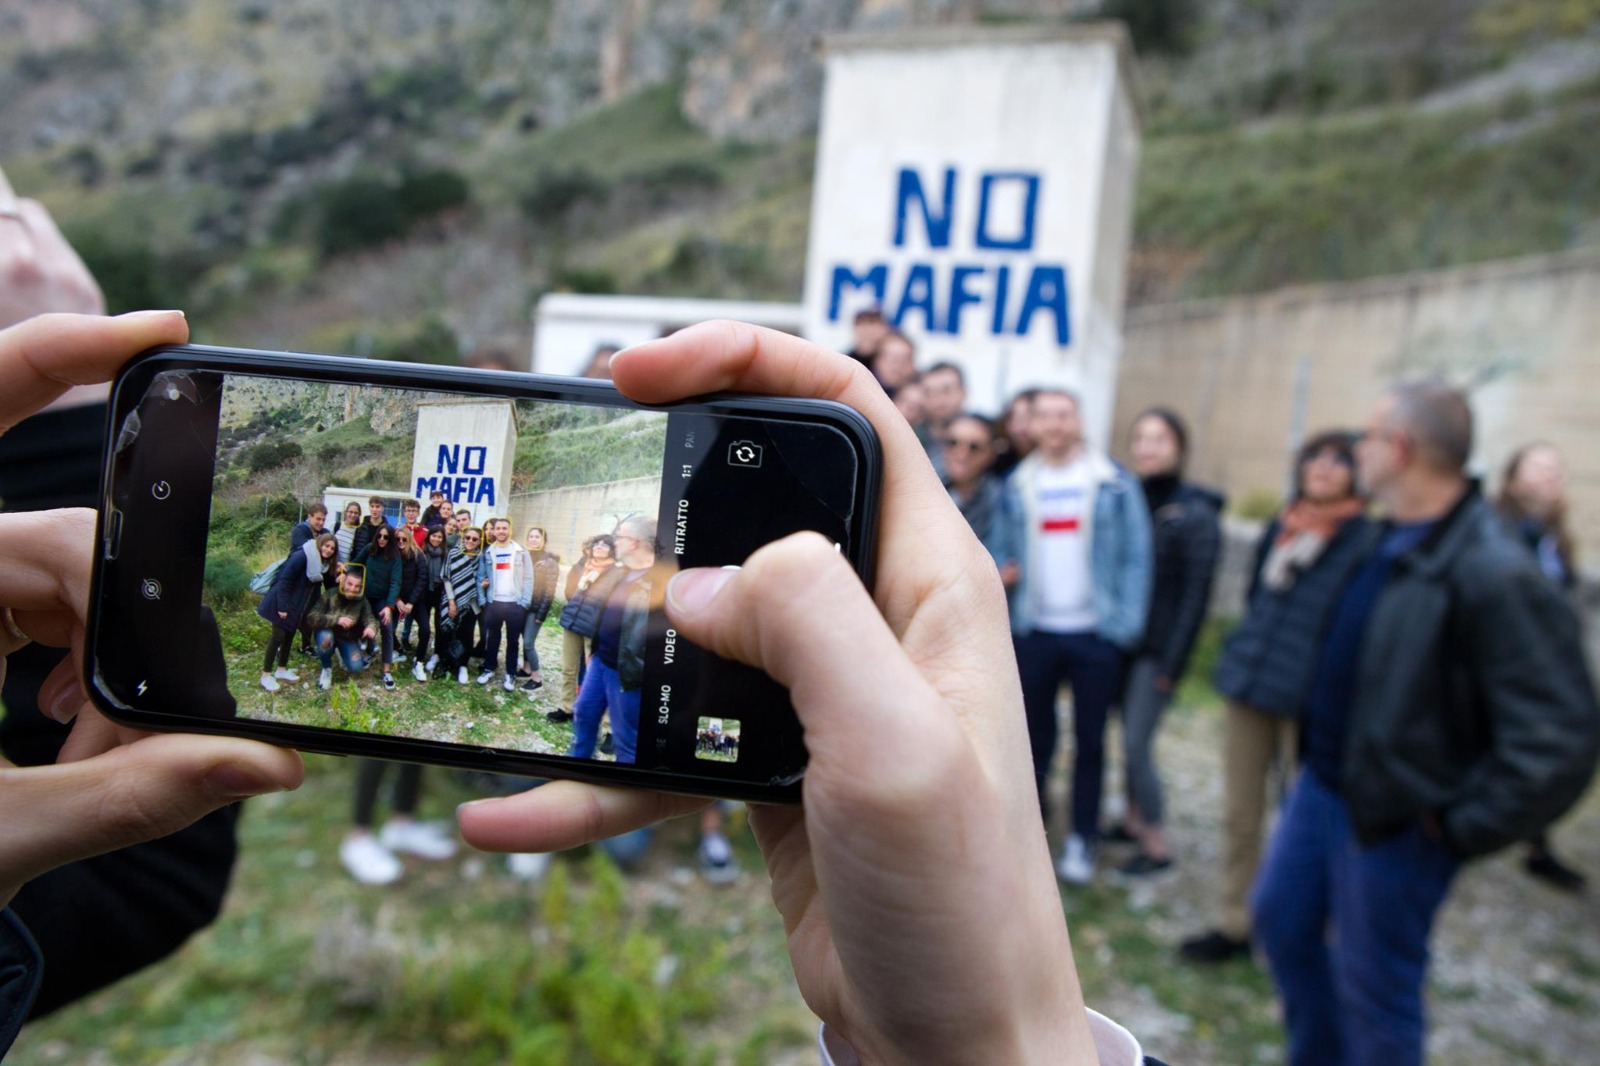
{"x":1450,"y":714}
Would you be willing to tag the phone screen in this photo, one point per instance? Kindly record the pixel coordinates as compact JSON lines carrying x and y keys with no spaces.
{"x":436,"y":550}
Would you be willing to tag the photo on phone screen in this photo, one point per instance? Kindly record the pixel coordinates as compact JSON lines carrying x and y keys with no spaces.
{"x":546,"y":488}
{"x":303,"y":555}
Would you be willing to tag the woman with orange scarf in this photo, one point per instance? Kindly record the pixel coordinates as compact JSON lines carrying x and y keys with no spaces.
{"x":1302,"y":563}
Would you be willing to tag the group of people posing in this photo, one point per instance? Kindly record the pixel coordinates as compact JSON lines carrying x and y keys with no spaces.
{"x":1409,"y":662}
{"x":356,"y":595}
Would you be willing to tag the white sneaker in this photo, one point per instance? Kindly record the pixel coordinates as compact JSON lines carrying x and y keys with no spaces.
{"x":425,"y":840}
{"x":269,"y":683}
{"x":716,"y":860}
{"x":461,"y":675}
{"x":283,"y":673}
{"x":433,"y":663}
{"x":509,"y":684}
{"x":528,"y":865}
{"x":419,"y":672}
{"x":325,"y":679}
{"x":484,"y":678}
{"x":369,"y":862}
{"x":1077,"y":861}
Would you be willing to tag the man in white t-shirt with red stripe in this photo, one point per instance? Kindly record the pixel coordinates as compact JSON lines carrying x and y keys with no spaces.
{"x":1080,"y":605}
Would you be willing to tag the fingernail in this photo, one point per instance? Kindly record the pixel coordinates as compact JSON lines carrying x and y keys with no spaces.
{"x":470,"y":803}
{"x":236,"y":781}
{"x":692,"y":591}
{"x":62,"y":706}
{"x":154,"y":314}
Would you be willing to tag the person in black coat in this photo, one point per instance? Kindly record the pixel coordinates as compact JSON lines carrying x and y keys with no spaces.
{"x":309,"y":568}
{"x":1301,"y":564}
{"x":307,"y":529}
{"x":1533,"y":502}
{"x":1185,"y":541}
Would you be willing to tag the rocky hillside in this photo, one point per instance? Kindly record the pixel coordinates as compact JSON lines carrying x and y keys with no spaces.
{"x":405,"y":178}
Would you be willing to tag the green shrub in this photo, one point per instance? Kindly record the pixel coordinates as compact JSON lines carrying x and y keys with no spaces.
{"x":367,"y":210}
{"x":432,"y":341}
{"x":226,"y":577}
{"x":598,"y":991}
{"x":270,"y":454}
{"x":555,"y":194}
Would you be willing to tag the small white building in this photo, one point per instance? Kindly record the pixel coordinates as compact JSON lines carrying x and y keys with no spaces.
{"x":568,"y":327}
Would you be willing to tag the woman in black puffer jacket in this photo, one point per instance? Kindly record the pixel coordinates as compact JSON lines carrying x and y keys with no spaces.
{"x":1302,"y":563}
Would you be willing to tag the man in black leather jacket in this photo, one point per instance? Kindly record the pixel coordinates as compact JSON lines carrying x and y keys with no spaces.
{"x":1451,"y":713}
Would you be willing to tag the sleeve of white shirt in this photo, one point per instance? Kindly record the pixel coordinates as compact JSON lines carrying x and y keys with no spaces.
{"x":1113,"y":1044}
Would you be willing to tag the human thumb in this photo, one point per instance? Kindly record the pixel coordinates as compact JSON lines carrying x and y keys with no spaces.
{"x":140,"y":791}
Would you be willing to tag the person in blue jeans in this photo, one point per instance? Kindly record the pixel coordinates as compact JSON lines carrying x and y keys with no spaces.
{"x":1078,"y":606}
{"x":616,"y":668}
{"x":341,"y":619}
{"x":1450,"y":715}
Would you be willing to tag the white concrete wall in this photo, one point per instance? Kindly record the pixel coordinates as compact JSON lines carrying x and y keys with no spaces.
{"x":467,"y":449}
{"x":916,"y":127}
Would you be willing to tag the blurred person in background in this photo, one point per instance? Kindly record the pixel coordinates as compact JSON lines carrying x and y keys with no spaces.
{"x":909,"y":401}
{"x":1302,"y":561}
{"x":895,"y":363}
{"x":1450,"y":714}
{"x":1533,"y":501}
{"x":1078,"y":607}
{"x":599,"y":364}
{"x":944,"y":392}
{"x":1186,"y":540}
{"x":1013,"y":439}
{"x":490,"y":357}
{"x":96,"y":919}
{"x":867,"y":331}
{"x":968,"y":446}
{"x":373,"y":858}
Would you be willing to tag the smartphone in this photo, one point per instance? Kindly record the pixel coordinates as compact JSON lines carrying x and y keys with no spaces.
{"x":231,"y":479}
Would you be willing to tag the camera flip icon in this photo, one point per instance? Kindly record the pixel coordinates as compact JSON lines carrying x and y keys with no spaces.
{"x":745,"y":453}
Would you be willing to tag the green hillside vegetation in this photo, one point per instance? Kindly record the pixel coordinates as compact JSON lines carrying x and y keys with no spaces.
{"x":1370,"y":194}
{"x":1284,"y":143}
{"x":561,"y":446}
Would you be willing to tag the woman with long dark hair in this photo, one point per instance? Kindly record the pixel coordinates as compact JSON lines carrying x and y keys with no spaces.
{"x":428,"y":597}
{"x":1302,"y":562}
{"x":307,"y":569}
{"x":1533,"y":501}
{"x":1186,"y":539}
{"x":380,"y":557}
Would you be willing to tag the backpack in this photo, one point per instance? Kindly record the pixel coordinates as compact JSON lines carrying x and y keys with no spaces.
{"x":261,"y":584}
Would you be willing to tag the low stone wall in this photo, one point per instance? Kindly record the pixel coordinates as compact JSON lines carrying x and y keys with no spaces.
{"x":571,"y":515}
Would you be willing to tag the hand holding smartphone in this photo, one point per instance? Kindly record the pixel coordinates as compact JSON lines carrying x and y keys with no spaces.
{"x":560,"y":478}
